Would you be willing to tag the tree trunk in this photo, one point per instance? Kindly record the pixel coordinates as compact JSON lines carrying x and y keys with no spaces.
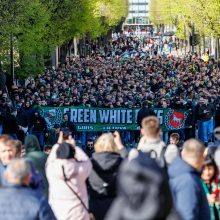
{"x":217,"y":48}
{"x":75,"y":46}
{"x":2,"y":81}
{"x":63,"y":53}
{"x":203,"y":44}
{"x":54,"y":57}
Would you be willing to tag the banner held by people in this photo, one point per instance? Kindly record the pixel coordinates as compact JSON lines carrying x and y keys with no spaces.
{"x":105,"y":119}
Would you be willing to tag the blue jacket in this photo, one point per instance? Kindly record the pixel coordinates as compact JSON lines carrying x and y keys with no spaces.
{"x":188,"y":194}
{"x":36,"y":183}
{"x":21,"y":203}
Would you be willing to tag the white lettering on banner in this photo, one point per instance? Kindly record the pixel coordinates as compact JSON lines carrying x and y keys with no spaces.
{"x":104,"y":116}
{"x":113,"y":116}
{"x":119,"y":115}
{"x":66,"y":110}
{"x":93,"y":116}
{"x":85,"y":128}
{"x":123,"y":112}
{"x":136,"y":114}
{"x":159,"y":114}
{"x":116,"y":116}
{"x":73,"y":116}
{"x":129,"y":116}
{"x":106,"y":119}
{"x":86,"y":115}
{"x":79,"y":115}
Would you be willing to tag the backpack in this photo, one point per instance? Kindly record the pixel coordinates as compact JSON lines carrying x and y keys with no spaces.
{"x":161,"y":159}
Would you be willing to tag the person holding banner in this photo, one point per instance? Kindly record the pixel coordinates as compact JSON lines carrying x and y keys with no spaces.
{"x":144,"y":112}
{"x":39,"y":128}
{"x":206,"y":122}
{"x":68,"y":124}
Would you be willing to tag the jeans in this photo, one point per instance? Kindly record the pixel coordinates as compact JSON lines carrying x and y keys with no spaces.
{"x":205,"y":130}
{"x":165,"y":137}
{"x":40,"y":137}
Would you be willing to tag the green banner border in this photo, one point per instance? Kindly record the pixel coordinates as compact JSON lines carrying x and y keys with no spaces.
{"x":170,"y":119}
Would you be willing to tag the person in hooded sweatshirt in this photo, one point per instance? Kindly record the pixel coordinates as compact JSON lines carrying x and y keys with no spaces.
{"x":188,"y":194}
{"x":36,"y":156}
{"x":102,"y":181}
{"x":143,"y":191}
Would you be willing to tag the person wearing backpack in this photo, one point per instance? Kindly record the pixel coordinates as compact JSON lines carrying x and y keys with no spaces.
{"x":101,"y":183}
{"x":150,"y":141}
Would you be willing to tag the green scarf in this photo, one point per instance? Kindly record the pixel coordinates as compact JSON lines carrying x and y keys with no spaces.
{"x":213,"y":187}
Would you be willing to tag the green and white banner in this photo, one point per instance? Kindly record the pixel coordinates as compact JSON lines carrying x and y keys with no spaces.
{"x":107,"y":119}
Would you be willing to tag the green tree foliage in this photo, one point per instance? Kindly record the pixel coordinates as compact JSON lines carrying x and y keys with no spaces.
{"x":203,"y":14}
{"x":38,"y":26}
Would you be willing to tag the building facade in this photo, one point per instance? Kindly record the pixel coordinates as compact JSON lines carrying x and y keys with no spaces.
{"x":138,"y":12}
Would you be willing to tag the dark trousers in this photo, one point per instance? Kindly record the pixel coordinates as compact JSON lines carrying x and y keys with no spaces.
{"x":40,"y":137}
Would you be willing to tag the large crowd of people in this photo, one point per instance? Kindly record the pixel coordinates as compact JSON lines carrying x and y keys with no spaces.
{"x":123,"y":75}
{"x":53,"y":178}
{"x":154,"y":181}
{"x":113,"y":80}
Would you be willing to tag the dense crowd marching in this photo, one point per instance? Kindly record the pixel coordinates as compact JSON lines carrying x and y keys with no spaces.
{"x":107,"y":180}
{"x":124,"y":74}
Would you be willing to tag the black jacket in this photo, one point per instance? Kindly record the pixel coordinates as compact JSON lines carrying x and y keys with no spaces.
{"x":102,"y":182}
{"x":29,"y":112}
{"x":39,"y":124}
{"x":143,"y":113}
{"x":70,"y":125}
{"x":10,"y":125}
{"x":22,"y":119}
{"x":208,"y":115}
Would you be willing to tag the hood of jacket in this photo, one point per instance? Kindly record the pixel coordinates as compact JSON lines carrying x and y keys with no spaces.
{"x":31,"y":144}
{"x":106,"y":161}
{"x":143,"y":186}
{"x":180,"y":167}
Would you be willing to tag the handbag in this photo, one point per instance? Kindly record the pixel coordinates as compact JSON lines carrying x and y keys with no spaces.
{"x":91,"y":216}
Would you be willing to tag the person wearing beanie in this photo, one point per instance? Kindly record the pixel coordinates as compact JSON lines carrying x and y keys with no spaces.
{"x":36,"y":156}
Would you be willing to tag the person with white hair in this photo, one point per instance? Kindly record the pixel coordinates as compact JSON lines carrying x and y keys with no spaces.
{"x":17,"y":200}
